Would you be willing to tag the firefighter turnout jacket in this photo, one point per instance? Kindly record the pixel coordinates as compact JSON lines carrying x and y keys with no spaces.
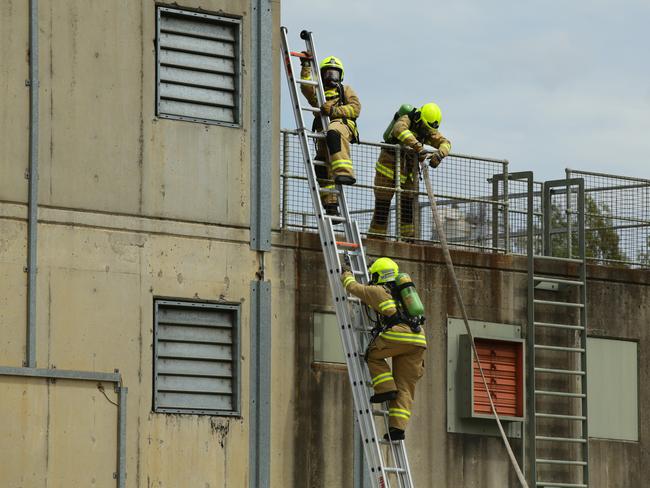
{"x":378,"y":298}
{"x":345,"y":108}
{"x":408,"y":133}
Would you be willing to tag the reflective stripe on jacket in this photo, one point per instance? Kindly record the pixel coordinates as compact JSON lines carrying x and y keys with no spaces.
{"x":381,"y":301}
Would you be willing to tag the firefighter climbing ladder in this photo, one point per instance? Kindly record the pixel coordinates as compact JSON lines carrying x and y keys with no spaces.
{"x":557,"y":431}
{"x":387,"y":461}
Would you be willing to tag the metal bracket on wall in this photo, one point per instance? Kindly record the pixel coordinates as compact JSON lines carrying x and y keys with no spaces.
{"x":115,"y":378}
{"x":547,"y":285}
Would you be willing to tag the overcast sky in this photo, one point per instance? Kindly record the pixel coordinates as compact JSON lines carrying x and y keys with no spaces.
{"x":546,"y":85}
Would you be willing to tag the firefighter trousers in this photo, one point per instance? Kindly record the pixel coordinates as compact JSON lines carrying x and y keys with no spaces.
{"x":335,"y":151}
{"x":408,"y":368}
{"x":385,"y":189}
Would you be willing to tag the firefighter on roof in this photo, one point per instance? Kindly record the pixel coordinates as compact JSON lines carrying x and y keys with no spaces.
{"x":343,"y":108}
{"x":412,"y":128}
{"x":397,"y":336}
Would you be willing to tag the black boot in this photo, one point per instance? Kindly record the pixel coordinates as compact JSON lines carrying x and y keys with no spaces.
{"x":383,"y":397}
{"x":332,"y":209}
{"x":394,"y":434}
{"x":344,"y":180}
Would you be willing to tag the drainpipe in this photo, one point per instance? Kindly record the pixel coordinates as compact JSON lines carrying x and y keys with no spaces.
{"x":260,"y":241}
{"x":32,"y":204}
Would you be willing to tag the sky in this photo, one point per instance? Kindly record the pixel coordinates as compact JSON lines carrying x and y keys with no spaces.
{"x":546,"y":85}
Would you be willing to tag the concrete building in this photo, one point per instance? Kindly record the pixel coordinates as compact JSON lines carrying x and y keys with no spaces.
{"x":140,"y":243}
{"x":150,"y":157}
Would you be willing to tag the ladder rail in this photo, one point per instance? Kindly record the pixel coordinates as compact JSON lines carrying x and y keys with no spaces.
{"x":577,"y":428}
{"x":352,"y":337}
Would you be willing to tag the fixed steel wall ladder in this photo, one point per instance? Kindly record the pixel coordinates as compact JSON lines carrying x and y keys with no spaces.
{"x":557,"y":440}
{"x":387,"y":460}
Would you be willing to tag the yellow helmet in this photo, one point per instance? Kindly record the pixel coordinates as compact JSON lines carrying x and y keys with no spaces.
{"x":431,"y":115}
{"x":383,"y":270}
{"x":332,"y":62}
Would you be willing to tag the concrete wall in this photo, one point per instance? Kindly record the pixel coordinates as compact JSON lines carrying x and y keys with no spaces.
{"x":132,"y":207}
{"x":101,"y":146}
{"x":494,"y":290}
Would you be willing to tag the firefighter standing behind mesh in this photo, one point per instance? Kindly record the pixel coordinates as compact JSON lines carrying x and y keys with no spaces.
{"x":411,"y":130}
{"x":394,"y":338}
{"x":342,"y":106}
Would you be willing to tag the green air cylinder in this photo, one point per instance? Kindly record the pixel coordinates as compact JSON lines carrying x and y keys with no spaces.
{"x":409,"y":295}
{"x":403,"y":110}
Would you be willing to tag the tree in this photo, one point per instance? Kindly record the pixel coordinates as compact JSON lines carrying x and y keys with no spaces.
{"x":602,"y":242}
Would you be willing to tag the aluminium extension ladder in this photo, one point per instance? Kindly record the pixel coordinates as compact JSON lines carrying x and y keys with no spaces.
{"x":387,"y":461}
{"x":558,"y":440}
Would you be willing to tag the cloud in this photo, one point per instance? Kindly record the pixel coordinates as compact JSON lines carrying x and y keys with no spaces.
{"x":544,"y":84}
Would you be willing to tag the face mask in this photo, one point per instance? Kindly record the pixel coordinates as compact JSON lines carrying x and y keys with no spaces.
{"x":331,"y":77}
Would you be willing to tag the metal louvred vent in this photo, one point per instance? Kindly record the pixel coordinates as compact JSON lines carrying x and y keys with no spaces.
{"x":195,"y":358}
{"x":198,"y":75}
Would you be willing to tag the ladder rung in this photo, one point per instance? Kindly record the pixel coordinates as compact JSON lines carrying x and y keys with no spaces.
{"x":563,"y":281}
{"x":555,"y":258}
{"x":349,"y":253}
{"x":307,"y":82}
{"x":388,"y":443}
{"x":559,"y":304}
{"x":379,"y":413}
{"x":329,"y":191}
{"x":560,"y":394}
{"x":336,"y":218}
{"x":318,"y":162}
{"x":559,"y":371}
{"x":560,"y":416}
{"x":395,"y":470}
{"x":555,"y":484}
{"x":358,"y":272}
{"x":560,"y":439}
{"x":311,"y":109}
{"x":558,"y":326}
{"x":560,"y":461}
{"x":559,"y":348}
{"x":347,"y":244}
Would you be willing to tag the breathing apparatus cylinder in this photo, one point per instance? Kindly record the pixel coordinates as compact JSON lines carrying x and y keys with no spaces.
{"x":409,"y":295}
{"x":403,"y":110}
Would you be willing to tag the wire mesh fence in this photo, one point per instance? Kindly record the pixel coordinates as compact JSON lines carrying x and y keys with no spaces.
{"x":480,"y":206}
{"x":467,"y":199}
{"x":617,"y":219}
{"x":514,"y":232}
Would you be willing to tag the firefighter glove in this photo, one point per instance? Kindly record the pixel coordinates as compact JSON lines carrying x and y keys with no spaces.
{"x":436,"y":159}
{"x":304,"y":60}
{"x":326,"y":108}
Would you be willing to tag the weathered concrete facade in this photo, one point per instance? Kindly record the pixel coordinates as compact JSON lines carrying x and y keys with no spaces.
{"x":494,"y":289}
{"x":131,"y":207}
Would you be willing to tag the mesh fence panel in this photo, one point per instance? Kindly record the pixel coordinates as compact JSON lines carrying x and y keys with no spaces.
{"x":480,"y":211}
{"x":617,"y":219}
{"x":462,"y":184}
{"x":517,"y":224}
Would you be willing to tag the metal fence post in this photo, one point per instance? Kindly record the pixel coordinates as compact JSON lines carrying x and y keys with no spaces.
{"x":506,"y":208}
{"x":398,"y":193}
{"x":546,"y":214}
{"x":569,"y":192}
{"x":283,"y":177}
